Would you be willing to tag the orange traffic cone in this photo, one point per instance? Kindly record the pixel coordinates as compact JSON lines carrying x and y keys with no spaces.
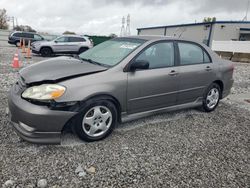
{"x":16,"y":63}
{"x":28,"y":53}
{"x":23,"y":46}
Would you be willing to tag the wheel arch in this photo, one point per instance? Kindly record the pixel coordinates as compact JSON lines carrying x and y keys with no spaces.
{"x":221,"y":84}
{"x":103,"y":96}
{"x":83,"y":47}
{"x":109,"y":97}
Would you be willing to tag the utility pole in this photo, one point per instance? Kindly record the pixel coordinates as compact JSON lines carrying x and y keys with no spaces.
{"x":11,"y":19}
{"x":245,"y":18}
{"x":122,"y":34}
{"x":128,"y":26}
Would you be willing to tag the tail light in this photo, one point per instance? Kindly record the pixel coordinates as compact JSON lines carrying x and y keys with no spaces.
{"x":91,"y":41}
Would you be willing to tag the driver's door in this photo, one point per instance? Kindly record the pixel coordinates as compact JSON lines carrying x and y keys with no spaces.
{"x":155,"y":87}
{"x":60,"y":44}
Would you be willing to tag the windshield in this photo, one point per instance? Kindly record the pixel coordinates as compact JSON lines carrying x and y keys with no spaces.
{"x":111,"y":52}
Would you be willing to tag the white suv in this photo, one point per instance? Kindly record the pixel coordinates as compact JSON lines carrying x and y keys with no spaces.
{"x":65,"y":44}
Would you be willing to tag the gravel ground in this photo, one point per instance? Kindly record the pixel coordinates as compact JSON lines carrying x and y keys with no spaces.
{"x":187,"y":148}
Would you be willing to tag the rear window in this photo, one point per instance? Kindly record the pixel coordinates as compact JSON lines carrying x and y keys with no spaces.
{"x":37,"y":37}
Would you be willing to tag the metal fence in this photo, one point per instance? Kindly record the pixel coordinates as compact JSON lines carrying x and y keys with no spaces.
{"x":231,"y":46}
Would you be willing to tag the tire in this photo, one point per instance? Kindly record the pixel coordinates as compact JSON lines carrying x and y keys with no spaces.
{"x":46,"y":52}
{"x":96,"y":121}
{"x":211,"y":97}
{"x":17,"y":43}
{"x":81,"y":50}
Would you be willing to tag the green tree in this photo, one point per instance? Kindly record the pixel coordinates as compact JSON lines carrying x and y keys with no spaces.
{"x":112,"y":35}
{"x":209,"y":19}
{"x":69,"y":33}
{"x":3,"y":19}
{"x":24,"y":28}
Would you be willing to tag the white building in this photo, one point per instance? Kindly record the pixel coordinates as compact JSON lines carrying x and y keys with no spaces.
{"x":204,"y":32}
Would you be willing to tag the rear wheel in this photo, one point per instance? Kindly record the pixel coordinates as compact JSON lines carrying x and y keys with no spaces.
{"x":96,"y":121}
{"x":81,"y":50}
{"x":17,"y":43}
{"x":46,"y":52}
{"x":211,"y":97}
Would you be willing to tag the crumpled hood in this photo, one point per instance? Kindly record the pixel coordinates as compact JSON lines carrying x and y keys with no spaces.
{"x":58,"y":68}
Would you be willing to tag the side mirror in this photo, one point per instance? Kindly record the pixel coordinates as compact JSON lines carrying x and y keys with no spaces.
{"x":56,"y":41}
{"x":139,"y":64}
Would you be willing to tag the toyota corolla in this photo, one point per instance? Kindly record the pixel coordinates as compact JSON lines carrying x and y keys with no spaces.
{"x":116,"y":81}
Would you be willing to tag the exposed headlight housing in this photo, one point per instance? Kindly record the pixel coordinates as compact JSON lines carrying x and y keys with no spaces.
{"x":44,"y":92}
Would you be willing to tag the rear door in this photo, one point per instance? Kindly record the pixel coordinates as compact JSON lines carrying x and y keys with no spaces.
{"x":29,"y":37}
{"x":75,"y":43}
{"x":196,"y":71}
{"x":157,"y":86}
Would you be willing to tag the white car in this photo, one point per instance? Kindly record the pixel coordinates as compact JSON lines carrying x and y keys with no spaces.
{"x":65,"y":44}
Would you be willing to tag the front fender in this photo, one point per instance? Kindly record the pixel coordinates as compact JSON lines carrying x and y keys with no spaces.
{"x":85,"y":87}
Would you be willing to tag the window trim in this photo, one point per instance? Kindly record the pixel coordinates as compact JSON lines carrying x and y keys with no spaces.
{"x":29,"y":37}
{"x":17,"y":33}
{"x":127,"y":67}
{"x":194,"y":43}
{"x":78,"y":38}
{"x":63,"y":37}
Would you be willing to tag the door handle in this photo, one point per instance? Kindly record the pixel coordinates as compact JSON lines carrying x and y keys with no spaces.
{"x":173,"y":73}
{"x":208,"y":68}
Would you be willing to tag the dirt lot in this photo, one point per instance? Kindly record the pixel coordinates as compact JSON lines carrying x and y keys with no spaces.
{"x":187,"y":148}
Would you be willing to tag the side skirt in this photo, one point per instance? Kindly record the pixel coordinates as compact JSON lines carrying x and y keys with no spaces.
{"x":129,"y":117}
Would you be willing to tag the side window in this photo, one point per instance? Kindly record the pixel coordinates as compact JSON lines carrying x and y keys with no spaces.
{"x":76,"y":39}
{"x":82,"y":39}
{"x":159,"y":55}
{"x":37,"y":37}
{"x":17,"y":34}
{"x":192,"y":54}
{"x":29,"y":35}
{"x":62,"y":39}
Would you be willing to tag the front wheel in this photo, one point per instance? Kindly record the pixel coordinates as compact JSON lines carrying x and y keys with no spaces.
{"x":211,"y":97}
{"x":96,"y":121}
{"x":46,"y":52}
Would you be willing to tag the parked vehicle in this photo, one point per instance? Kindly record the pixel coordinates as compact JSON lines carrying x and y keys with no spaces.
{"x":116,"y":81}
{"x":66,"y":44}
{"x":14,"y":38}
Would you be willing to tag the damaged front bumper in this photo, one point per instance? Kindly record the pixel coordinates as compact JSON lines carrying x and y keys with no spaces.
{"x":35,"y":123}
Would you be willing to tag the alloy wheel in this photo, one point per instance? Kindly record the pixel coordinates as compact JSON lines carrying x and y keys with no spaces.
{"x":212,"y":98}
{"x":97,"y":121}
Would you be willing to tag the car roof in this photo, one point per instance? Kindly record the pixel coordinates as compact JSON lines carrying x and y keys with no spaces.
{"x":151,"y":37}
{"x":72,"y":36}
{"x":25,"y":32}
{"x":157,"y":38}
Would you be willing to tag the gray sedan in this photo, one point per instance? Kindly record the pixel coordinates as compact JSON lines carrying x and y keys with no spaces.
{"x":116,"y":81}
